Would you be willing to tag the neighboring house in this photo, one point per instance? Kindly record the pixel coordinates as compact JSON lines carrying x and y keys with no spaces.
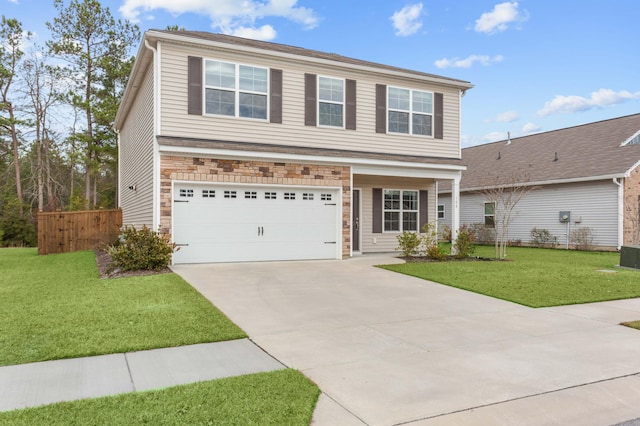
{"x":246,"y":150}
{"x":590,"y":173}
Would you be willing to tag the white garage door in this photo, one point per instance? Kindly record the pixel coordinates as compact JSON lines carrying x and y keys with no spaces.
{"x":216,"y":223}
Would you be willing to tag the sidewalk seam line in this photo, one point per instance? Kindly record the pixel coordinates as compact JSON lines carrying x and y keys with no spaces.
{"x":126,"y":360}
{"x":517,"y":399}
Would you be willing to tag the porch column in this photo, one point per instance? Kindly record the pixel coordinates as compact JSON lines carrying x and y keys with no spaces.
{"x":455,"y":210}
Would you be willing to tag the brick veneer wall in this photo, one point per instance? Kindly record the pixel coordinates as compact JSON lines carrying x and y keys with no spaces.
{"x":631,"y":207}
{"x":253,"y":172}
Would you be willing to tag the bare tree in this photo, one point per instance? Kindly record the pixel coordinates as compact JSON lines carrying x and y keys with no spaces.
{"x":40,"y":92}
{"x":505,"y":193}
{"x":11,"y":39}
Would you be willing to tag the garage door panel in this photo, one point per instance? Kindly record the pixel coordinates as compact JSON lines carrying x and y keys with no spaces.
{"x":260,"y":223}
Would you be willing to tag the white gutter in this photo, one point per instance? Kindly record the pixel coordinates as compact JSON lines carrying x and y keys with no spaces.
{"x":156,"y":122}
{"x":547,"y":182}
{"x":178,"y":38}
{"x":618,"y":181}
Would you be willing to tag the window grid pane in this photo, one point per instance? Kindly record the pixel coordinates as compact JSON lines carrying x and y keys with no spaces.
{"x":220,"y":74}
{"x":398,"y":99}
{"x":253,"y":106}
{"x":398,"y":122}
{"x":331,"y":89}
{"x":331,"y":114}
{"x":401,"y":210}
{"x":220,"y":102}
{"x":409,"y":221}
{"x":422,"y":102}
{"x":253,"y":79}
{"x":421,"y":124}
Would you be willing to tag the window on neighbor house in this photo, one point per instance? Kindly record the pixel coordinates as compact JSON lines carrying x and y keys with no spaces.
{"x":330,"y":102}
{"x":409,"y":111}
{"x":440,"y":211}
{"x":400,"y":210}
{"x":236,"y":90}
{"x":490,"y":215}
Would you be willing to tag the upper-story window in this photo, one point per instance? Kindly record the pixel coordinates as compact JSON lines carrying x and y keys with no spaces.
{"x":410,"y":111}
{"x":330,"y":102}
{"x":236,"y":90}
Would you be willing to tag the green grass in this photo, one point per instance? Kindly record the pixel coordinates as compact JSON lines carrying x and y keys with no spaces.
{"x":632,"y":324}
{"x":282,"y":397}
{"x":534,"y":277}
{"x":56,"y":306}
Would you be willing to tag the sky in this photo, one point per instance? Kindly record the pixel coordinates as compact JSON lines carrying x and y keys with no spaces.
{"x":536,"y":65}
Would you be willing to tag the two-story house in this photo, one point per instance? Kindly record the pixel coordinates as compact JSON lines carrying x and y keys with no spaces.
{"x":245,"y":150}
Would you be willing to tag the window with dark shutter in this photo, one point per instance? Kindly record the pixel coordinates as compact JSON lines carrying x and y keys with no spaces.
{"x":377,"y":210}
{"x":275,"y":92}
{"x":381,"y":108}
{"x":350,"y":108}
{"x":310,"y":98}
{"x":194,"y":91}
{"x":423,"y":210}
{"x":438,"y":116}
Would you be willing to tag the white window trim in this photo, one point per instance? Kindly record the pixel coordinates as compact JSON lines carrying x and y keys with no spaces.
{"x":236,"y":90}
{"x":343,"y":103}
{"x":417,"y":211}
{"x":444,"y":211}
{"x":485,"y":215}
{"x":410,"y":111}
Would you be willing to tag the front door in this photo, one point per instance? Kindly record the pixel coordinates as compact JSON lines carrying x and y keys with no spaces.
{"x":355,"y":224}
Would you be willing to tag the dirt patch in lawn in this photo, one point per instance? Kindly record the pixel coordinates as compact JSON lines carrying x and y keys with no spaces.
{"x":107,"y":270}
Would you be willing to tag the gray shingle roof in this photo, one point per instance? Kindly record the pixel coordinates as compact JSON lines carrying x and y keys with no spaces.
{"x":283,"y":48}
{"x":583,"y":152}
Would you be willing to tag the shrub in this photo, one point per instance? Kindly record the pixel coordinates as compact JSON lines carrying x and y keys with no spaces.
{"x":141,"y":249}
{"x":482,"y":234}
{"x":541,"y":237}
{"x":409,"y":243}
{"x":445,"y":233}
{"x":435,"y":252}
{"x":464,"y":242}
{"x":582,"y":238}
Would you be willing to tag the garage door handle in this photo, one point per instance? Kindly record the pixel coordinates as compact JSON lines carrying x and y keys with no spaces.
{"x":330,"y":242}
{"x":182,"y":245}
{"x":180,"y":201}
{"x":260,"y":231}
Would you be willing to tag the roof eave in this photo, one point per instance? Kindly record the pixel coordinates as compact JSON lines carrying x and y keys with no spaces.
{"x":179,"y":38}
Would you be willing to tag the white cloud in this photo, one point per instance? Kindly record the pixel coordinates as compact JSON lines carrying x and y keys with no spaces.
{"x":507,"y":117}
{"x":407,"y":20}
{"x":531,"y":128}
{"x":499,"y":18}
{"x":13,"y":1}
{"x":574,"y":103}
{"x":468,"y":61}
{"x":265,"y":32}
{"x":228,"y":16}
{"x":494,"y":136}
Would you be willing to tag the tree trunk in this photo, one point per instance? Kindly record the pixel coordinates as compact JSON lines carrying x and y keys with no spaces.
{"x":16,"y":155}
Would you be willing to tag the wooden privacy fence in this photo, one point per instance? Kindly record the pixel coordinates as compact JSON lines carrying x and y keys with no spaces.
{"x":62,"y":232}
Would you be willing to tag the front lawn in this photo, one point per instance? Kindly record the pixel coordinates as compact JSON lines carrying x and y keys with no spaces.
{"x":56,"y":306}
{"x":534,"y":277}
{"x":283,"y":397}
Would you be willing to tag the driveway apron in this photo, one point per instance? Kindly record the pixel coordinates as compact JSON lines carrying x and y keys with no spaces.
{"x":389,"y":349}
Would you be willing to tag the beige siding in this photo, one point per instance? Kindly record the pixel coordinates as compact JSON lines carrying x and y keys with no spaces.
{"x":176,"y":122}
{"x":136,"y":158}
{"x":386,"y":241}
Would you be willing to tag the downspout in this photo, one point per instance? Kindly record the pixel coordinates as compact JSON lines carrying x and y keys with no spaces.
{"x":118,"y":176}
{"x":156,"y":154}
{"x":618,"y":181}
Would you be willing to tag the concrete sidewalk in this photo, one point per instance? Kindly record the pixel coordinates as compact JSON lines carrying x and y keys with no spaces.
{"x":30,"y":385}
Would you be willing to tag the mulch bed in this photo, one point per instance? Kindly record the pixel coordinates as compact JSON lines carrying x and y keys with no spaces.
{"x":419,"y":259}
{"x":107,"y":270}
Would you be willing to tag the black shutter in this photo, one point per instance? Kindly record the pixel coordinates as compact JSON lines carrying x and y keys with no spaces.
{"x":350,"y":110}
{"x":275,"y":92}
{"x":194,"y":91}
{"x":381,"y":108}
{"x":438,"y":116}
{"x":423,"y":216}
{"x":377,"y":210}
{"x":310,"y":107}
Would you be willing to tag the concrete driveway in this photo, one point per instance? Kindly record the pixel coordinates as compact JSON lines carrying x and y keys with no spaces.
{"x":390,"y":349}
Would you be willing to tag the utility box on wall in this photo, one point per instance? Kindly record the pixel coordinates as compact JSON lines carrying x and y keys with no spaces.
{"x":630,"y":256}
{"x":564,"y":216}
